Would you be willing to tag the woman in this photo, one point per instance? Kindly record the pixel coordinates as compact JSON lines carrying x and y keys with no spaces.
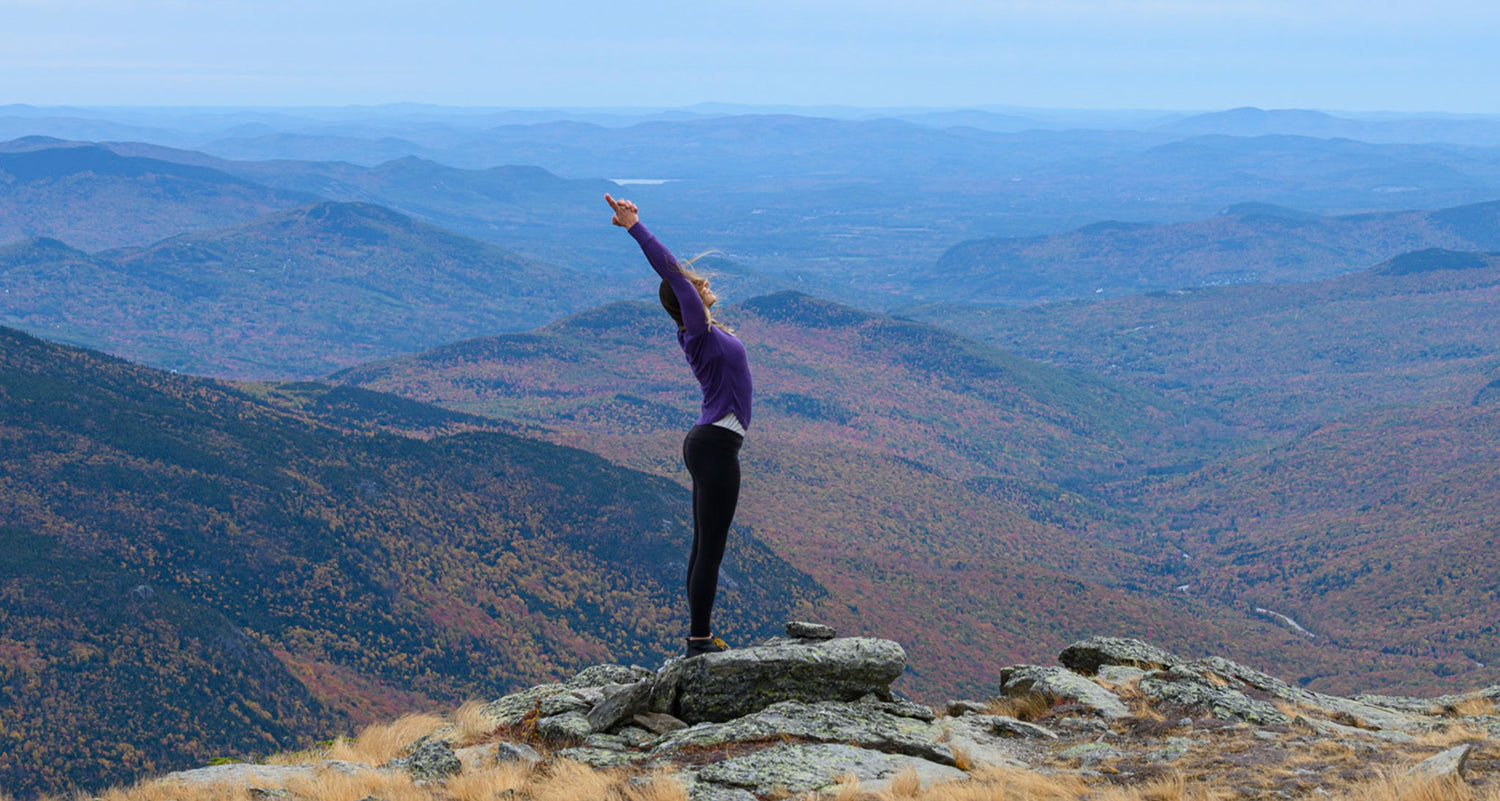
{"x":712,"y":447}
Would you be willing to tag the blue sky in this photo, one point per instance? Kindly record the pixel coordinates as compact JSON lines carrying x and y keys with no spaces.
{"x":1436,"y":55}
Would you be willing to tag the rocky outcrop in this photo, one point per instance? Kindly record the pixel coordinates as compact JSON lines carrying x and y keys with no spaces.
{"x":799,"y":714}
{"x":1057,"y":685}
{"x":727,"y":685}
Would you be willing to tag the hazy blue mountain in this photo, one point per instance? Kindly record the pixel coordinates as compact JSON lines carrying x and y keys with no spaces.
{"x":1247,"y":243}
{"x":293,"y":294}
{"x":95,"y":198}
{"x":1405,"y":128}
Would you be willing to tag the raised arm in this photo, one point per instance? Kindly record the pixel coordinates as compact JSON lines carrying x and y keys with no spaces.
{"x":694,"y":315}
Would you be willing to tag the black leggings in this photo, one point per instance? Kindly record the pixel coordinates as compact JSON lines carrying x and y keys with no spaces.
{"x":712,"y":455}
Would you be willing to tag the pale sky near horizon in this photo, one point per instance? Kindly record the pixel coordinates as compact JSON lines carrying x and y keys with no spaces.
{"x":1438,"y":55}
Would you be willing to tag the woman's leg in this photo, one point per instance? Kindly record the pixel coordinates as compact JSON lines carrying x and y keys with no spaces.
{"x":712,"y":455}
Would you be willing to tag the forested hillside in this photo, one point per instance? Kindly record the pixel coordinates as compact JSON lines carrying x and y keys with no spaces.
{"x":295,"y":294}
{"x":194,"y":570}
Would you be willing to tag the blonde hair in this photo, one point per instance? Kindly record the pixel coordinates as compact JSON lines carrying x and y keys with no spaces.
{"x":700,"y":281}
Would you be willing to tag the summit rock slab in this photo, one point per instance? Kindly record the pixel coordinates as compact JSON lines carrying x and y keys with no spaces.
{"x":731,"y":684}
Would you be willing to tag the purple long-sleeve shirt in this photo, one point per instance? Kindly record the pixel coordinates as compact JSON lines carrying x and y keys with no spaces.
{"x":716,"y":356}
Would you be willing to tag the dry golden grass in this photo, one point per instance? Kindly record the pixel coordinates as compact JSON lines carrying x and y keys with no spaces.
{"x":1451,"y":735}
{"x":1141,"y":708}
{"x":1168,"y":788}
{"x":1468,"y":707}
{"x":377,"y":745}
{"x":332,"y":785}
{"x":470,"y":726}
{"x":1023,"y":707}
{"x":1417,"y":788}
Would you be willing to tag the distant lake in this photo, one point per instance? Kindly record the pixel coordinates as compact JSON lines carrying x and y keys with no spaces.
{"x":641,"y":181}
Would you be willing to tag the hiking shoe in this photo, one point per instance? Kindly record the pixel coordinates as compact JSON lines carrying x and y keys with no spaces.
{"x":712,"y":645}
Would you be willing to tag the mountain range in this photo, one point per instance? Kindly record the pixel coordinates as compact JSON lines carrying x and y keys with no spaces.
{"x":193,"y":569}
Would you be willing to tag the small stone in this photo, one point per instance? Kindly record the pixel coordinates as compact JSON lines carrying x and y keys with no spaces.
{"x":658,"y":722}
{"x":958,"y":709}
{"x":263,"y":792}
{"x":1453,"y":762}
{"x":1091,"y":753}
{"x":809,"y":631}
{"x":516,"y":752}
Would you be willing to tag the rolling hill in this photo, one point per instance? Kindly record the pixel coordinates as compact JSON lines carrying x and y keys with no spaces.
{"x":1417,"y":329}
{"x":192,"y":569}
{"x":94,"y":198}
{"x":294,"y":294}
{"x":1245,"y":244}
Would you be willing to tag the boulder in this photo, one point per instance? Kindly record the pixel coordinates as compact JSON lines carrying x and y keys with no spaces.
{"x":621,"y":703}
{"x":1454,"y":762}
{"x":811,"y":768}
{"x":730,"y":684}
{"x":824,"y":722}
{"x":511,"y":709}
{"x":431,"y":759}
{"x":1087,"y":656}
{"x":1060,"y":684}
{"x":565,"y":727}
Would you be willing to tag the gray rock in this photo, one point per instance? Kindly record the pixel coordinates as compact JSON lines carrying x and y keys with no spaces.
{"x":658,"y":722}
{"x":960,"y":708}
{"x":580,"y":700}
{"x":799,"y":630}
{"x":824,"y":722}
{"x":1091,"y":753}
{"x":1087,"y":656}
{"x":1059,"y":684}
{"x":245,"y":773}
{"x":621,"y":703}
{"x":1453,"y":762}
{"x":1183,"y":686}
{"x":1119,"y":674}
{"x":266,"y":792}
{"x":600,"y":675}
{"x":1173,"y":749}
{"x":665,"y":689}
{"x":981,"y":746}
{"x":565,"y":727}
{"x":1003,"y":726}
{"x":901,"y":708}
{"x":430,"y":759}
{"x":635,"y":736}
{"x":708,"y":791}
{"x":734,"y":683}
{"x":601,"y":757}
{"x":809,"y":768}
{"x":516,"y":752}
{"x":1344,"y":710}
{"x":608,"y":742}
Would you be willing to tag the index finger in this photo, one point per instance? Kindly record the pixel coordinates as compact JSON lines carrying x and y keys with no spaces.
{"x":611,"y":201}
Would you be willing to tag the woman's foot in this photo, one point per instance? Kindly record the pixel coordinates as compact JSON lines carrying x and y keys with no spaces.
{"x":705,"y":645}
